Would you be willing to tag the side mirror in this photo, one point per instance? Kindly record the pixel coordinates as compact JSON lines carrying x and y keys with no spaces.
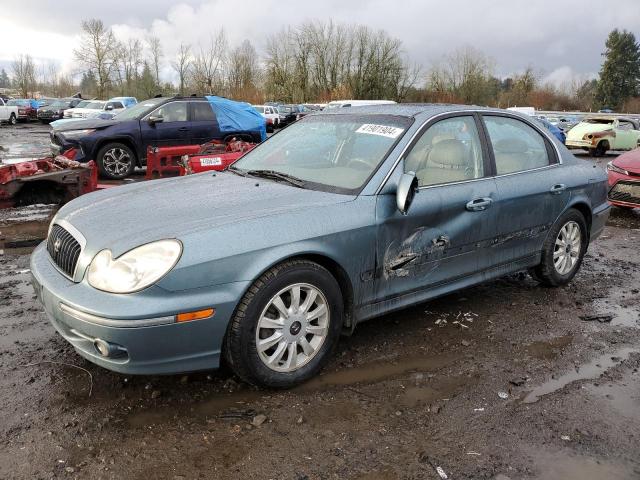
{"x":155,"y":119}
{"x":407,"y":188}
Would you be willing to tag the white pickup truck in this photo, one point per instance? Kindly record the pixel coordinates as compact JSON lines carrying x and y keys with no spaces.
{"x":8,"y":113}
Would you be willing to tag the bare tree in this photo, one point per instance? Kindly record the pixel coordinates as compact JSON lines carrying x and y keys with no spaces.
{"x":208,"y":63}
{"x":98,"y":52}
{"x":24,"y":74}
{"x":155,"y":48}
{"x":243,"y":72}
{"x":182,"y":64}
{"x":130,"y":63}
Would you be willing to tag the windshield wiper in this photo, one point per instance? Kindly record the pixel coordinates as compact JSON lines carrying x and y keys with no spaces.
{"x":274,"y":175}
{"x":237,"y":171}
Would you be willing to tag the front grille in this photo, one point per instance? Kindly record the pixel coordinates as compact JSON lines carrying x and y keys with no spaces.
{"x":63,"y":249}
{"x":625,"y":192}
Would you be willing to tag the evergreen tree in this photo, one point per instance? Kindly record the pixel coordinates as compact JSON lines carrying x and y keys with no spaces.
{"x":5,"y":82}
{"x":88,"y":84}
{"x":620,"y":72}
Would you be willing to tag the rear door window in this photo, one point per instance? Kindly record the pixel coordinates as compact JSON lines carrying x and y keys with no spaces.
{"x":516,"y":146}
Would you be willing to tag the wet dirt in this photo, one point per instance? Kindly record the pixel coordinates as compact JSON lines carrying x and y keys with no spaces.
{"x":405,"y":394}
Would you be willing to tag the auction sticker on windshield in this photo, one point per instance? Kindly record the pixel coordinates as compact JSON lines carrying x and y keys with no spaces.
{"x":383,"y":130}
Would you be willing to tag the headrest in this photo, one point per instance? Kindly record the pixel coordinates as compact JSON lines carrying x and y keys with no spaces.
{"x":449,"y":152}
{"x":511,"y":145}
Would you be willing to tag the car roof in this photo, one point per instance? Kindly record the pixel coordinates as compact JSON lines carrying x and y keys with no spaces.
{"x":405,"y":109}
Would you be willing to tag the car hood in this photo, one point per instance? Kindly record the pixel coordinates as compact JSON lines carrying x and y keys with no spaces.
{"x":123,"y":217}
{"x":577,"y":132}
{"x":629,"y":161}
{"x":87,"y":124}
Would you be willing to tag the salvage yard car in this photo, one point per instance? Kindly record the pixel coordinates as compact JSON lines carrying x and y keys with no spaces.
{"x":55,"y":110}
{"x":27,"y":108}
{"x":341,"y":217}
{"x":601,"y":133}
{"x":624,"y":180}
{"x":120,"y":144}
{"x":8,"y":113}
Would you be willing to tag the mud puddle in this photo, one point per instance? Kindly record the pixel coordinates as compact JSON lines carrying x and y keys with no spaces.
{"x":244,"y":403}
{"x":548,"y":349}
{"x":623,"y":396}
{"x":623,"y":310}
{"x":375,"y":372}
{"x":591,"y":370}
{"x":568,"y":466}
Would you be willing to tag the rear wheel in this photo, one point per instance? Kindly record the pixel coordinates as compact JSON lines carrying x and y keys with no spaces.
{"x":116,"y":161}
{"x":563,"y":250}
{"x":286,"y":326}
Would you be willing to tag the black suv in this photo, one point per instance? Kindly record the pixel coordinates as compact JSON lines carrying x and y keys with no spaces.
{"x":55,"y":110}
{"x":120,"y":144}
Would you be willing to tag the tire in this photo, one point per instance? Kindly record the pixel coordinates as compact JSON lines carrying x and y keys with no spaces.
{"x":549,"y":272}
{"x":241,"y":350}
{"x":600,"y":150}
{"x":116,"y":161}
{"x":12,"y":119}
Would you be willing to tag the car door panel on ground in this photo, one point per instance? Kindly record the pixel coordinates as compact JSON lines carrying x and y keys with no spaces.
{"x":204,"y":125}
{"x":174,"y":129}
{"x":529,"y":198}
{"x":446,"y":234}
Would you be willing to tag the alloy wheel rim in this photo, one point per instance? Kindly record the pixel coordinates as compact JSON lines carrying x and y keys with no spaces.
{"x":566,"y":251}
{"x":116,"y":161}
{"x":292,"y":327}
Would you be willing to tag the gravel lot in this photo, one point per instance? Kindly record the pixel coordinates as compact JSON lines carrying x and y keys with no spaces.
{"x":519,"y":387}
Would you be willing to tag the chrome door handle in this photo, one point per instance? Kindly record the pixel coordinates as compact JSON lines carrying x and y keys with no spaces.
{"x":558,"y":188}
{"x":479,"y":204}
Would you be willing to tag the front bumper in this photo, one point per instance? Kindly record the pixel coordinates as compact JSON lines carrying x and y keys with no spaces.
{"x":82,"y":314}
{"x":579,"y":144}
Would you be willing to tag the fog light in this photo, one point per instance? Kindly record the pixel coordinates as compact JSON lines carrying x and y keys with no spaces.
{"x":103,"y":347}
{"x":197,"y":315}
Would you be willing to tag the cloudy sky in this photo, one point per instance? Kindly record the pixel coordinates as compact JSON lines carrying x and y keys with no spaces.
{"x":561,"y":39}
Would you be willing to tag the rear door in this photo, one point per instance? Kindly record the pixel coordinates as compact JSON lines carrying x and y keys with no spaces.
{"x":174,"y":129}
{"x":446,"y":233}
{"x":204,"y":126}
{"x":532,"y":186}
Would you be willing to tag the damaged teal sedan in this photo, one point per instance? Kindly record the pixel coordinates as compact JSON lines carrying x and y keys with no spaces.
{"x":341,"y":217}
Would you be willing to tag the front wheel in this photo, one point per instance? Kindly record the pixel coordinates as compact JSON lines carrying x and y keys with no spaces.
{"x":563,"y":250}
{"x":286,"y":326}
{"x":116,"y":161}
{"x":12,"y":119}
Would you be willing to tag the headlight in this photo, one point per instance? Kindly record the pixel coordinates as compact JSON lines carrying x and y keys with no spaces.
{"x":613,"y":168}
{"x":77,"y":133}
{"x":134,"y":270}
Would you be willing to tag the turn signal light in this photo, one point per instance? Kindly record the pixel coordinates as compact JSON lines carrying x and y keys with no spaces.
{"x":197,"y":315}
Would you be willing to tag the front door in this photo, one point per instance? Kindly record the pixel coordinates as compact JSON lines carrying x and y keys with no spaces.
{"x":446,"y":233}
{"x":174,"y":129}
{"x":626,"y":135}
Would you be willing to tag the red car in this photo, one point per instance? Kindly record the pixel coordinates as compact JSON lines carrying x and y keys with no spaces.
{"x":27,"y":109}
{"x":624,"y":180}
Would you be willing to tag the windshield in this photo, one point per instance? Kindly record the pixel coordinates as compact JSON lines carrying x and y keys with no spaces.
{"x":602,"y":121}
{"x":284,"y":109}
{"x":139,"y":110}
{"x":23,"y":103}
{"x":259,"y":109}
{"x":59,"y":104}
{"x":83,"y":104}
{"x":336,"y":153}
{"x":94,"y":105}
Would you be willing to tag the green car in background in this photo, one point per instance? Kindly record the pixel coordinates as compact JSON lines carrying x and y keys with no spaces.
{"x":599,"y":134}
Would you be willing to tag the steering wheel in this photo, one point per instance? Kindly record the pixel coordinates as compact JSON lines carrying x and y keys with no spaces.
{"x":359,"y":164}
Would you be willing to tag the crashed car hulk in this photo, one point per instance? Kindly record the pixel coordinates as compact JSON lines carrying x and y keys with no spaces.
{"x":341,"y":217}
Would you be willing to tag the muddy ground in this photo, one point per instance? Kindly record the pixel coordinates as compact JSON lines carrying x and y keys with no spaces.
{"x":407,"y":394}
